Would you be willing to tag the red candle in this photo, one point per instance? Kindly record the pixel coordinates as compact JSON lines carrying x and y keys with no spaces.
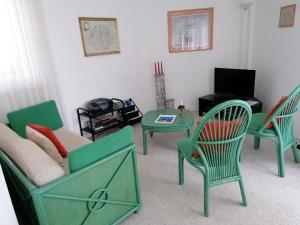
{"x":161,"y":66}
{"x":155,"y":68}
{"x":158,"y":69}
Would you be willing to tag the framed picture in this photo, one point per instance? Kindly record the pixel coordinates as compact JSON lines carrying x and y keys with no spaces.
{"x":190,"y":30}
{"x":287,"y":16}
{"x":99,"y":36}
{"x":165,"y":119}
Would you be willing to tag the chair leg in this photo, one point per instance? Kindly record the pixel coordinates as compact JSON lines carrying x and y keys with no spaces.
{"x":256,"y":142}
{"x":180,"y":167}
{"x":240,"y":156}
{"x":145,"y":142}
{"x":137,"y":211}
{"x":206,"y":196}
{"x":296,"y":153}
{"x":243,"y":192}
{"x":280,"y":160}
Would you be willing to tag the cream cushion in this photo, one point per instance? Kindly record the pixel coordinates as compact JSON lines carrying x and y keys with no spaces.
{"x":70,"y":140}
{"x":45,"y":143}
{"x":38,"y":166}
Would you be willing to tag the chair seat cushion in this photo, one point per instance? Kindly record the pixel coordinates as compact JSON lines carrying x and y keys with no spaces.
{"x":257,"y":122}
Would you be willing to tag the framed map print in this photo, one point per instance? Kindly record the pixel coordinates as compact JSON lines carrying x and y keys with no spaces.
{"x":190,"y":30}
{"x":99,"y":36}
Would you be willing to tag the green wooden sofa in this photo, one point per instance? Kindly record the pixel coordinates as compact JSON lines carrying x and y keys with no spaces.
{"x":102,"y":187}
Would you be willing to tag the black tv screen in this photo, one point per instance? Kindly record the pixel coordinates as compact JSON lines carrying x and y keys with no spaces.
{"x":234,"y":82}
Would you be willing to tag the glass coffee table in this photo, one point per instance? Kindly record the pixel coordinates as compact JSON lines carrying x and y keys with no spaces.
{"x":183,"y":122}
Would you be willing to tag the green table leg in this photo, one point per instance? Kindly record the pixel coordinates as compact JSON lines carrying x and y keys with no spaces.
{"x":256,"y":142}
{"x":151,"y":133}
{"x":188,"y":132}
{"x":145,"y":141}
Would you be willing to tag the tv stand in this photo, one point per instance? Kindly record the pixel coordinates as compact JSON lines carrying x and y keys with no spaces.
{"x":207,"y":102}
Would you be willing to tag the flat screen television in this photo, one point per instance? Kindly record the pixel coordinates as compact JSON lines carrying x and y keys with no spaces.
{"x":236,"y":83}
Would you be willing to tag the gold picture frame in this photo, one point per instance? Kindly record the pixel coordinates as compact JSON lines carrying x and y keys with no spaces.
{"x":190,"y":30}
{"x":287,"y":16}
{"x":99,"y":36}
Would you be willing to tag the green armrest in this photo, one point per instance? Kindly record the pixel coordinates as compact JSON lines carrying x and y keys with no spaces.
{"x":257,"y":121}
{"x":45,"y":114}
{"x":186,"y":146}
{"x":95,"y":151}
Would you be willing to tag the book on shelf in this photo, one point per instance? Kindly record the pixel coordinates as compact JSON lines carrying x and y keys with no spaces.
{"x":165,"y":119}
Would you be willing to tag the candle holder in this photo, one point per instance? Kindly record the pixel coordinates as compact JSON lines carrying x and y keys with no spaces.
{"x":181,"y":108}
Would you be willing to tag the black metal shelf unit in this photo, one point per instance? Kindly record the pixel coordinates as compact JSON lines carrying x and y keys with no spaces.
{"x":122,"y":113}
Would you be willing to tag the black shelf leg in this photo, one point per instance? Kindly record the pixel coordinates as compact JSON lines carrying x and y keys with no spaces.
{"x":92,"y":129}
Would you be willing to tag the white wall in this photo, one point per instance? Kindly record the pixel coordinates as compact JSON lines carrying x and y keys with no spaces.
{"x":276,"y":54}
{"x":143,"y":38}
{"x":189,"y":75}
{"x":83,"y":78}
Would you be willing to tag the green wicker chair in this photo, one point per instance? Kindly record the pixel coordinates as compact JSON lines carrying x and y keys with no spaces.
{"x":282,"y":132}
{"x":215,"y":147}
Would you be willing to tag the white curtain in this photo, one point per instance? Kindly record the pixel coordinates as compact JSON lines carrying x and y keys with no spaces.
{"x":26,"y":74}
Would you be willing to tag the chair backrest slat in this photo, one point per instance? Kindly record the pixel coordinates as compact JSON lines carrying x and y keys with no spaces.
{"x":284,"y":116}
{"x":219,"y":136}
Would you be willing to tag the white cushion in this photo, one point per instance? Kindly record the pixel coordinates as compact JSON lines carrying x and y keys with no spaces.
{"x":38,"y":166}
{"x":45,"y":143}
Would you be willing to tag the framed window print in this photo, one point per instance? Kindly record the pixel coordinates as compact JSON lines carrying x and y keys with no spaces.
{"x":99,"y":36}
{"x":190,"y":30}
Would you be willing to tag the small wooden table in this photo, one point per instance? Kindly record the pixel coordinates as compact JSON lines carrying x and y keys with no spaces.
{"x":182,"y":122}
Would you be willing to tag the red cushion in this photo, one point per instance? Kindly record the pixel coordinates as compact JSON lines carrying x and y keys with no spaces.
{"x":196,"y":154}
{"x":270,"y":125}
{"x":210,"y":135}
{"x":52,"y":137}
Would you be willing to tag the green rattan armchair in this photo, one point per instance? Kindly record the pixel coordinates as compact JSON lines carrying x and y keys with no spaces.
{"x":216,"y":145}
{"x":282,"y":132}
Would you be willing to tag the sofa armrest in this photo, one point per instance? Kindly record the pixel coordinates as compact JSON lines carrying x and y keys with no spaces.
{"x":90,"y":153}
{"x":107,"y":191}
